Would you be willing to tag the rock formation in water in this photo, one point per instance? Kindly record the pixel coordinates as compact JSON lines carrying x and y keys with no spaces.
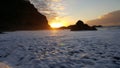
{"x":21,"y":15}
{"x":81,"y":26}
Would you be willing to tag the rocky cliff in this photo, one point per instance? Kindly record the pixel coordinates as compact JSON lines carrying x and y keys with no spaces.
{"x":21,"y":15}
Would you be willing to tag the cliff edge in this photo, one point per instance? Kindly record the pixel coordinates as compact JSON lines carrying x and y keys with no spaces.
{"x":21,"y":15}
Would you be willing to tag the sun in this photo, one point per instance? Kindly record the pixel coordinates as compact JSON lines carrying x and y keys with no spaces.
{"x":56,"y":25}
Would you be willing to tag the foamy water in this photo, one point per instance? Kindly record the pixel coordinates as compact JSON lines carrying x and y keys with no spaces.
{"x":61,"y":49}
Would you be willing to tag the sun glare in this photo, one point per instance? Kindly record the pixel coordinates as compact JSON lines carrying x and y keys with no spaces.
{"x":56,"y":25}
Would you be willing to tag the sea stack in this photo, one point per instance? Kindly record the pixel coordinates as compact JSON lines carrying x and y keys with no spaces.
{"x":21,"y":15}
{"x":81,"y":26}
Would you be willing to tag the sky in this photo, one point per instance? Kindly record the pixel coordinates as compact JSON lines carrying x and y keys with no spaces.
{"x":68,"y":12}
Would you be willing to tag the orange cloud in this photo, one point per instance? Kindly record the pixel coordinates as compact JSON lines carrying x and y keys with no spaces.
{"x":110,"y":19}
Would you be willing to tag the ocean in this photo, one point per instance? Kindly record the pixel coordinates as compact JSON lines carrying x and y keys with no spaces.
{"x":61,"y":49}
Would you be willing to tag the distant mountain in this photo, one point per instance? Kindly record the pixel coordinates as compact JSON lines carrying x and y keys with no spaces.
{"x":20,"y":15}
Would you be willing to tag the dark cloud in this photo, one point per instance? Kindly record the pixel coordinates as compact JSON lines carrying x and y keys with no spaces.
{"x":112,"y":18}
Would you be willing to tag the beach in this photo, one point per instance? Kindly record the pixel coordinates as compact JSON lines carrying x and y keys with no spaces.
{"x":61,"y":49}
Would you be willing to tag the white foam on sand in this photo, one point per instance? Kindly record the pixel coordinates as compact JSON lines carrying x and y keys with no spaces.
{"x":60,"y":49}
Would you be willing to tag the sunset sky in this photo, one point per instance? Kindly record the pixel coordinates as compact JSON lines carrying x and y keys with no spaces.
{"x":67,"y":12}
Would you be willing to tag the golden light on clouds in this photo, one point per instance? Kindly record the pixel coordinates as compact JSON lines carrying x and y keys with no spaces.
{"x":56,"y":0}
{"x":60,"y":21}
{"x":56,"y":25}
{"x":109,"y":19}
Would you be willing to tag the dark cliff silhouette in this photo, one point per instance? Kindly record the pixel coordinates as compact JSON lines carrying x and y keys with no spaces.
{"x":0,"y":32}
{"x":81,"y":26}
{"x":20,"y":15}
